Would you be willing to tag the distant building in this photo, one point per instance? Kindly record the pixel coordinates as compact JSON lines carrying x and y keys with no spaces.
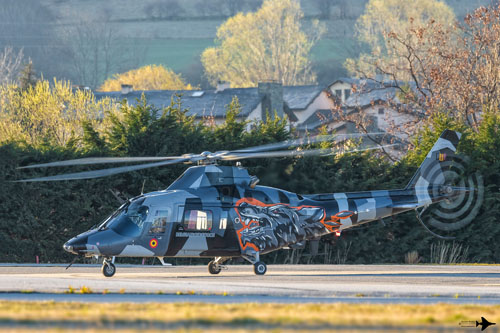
{"x":297,"y":102}
{"x":211,"y":105}
{"x":378,"y":101}
{"x":308,"y":108}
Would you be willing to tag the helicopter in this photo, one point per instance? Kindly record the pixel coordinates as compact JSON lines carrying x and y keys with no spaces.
{"x":219,"y":212}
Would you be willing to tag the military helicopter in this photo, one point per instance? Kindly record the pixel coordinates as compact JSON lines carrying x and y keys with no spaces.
{"x":217,"y":211}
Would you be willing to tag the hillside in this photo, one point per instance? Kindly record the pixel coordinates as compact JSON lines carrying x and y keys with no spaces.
{"x":174,"y":32}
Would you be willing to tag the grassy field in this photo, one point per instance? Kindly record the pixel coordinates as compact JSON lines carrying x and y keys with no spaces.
{"x":234,"y":317}
{"x":177,"y":54}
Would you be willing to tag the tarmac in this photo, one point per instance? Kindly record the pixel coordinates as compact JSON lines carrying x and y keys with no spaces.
{"x":412,"y":284}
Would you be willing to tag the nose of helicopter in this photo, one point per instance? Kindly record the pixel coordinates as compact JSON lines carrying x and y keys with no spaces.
{"x":68,"y":248}
{"x":75,"y":245}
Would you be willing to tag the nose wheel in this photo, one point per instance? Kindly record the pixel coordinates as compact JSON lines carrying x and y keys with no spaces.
{"x":108,"y":268}
{"x":259,"y":267}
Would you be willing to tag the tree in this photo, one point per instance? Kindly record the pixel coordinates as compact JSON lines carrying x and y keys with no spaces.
{"x":447,"y":69}
{"x":150,"y":77}
{"x":232,"y":7}
{"x":10,"y":64}
{"x":48,"y":114}
{"x":324,"y":7}
{"x":384,"y":17}
{"x":265,"y":45}
{"x":168,"y":9}
{"x":96,"y":52}
{"x":30,"y":25}
{"x":27,"y":76}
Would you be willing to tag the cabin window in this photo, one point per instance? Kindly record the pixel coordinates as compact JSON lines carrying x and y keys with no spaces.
{"x":159,"y":222}
{"x":197,"y":220}
{"x":380,"y":110}
{"x":338,"y":93}
{"x":223,"y":220}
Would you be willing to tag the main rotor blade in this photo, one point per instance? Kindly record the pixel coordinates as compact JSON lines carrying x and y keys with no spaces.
{"x":103,"y":172}
{"x":304,"y":141}
{"x":99,"y":160}
{"x":279,"y":153}
{"x":290,"y":153}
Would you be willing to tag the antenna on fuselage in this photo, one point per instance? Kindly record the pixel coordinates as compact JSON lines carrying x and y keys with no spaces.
{"x":142,"y":189}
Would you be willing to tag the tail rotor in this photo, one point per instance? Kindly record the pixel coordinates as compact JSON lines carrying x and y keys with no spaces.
{"x":450,"y":192}
{"x":458,"y":211}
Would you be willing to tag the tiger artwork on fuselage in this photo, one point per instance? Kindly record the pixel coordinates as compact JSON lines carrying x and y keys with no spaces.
{"x":265,"y":227}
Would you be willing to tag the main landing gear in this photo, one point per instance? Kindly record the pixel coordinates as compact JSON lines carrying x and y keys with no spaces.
{"x":216,"y":266}
{"x":108,"y":267}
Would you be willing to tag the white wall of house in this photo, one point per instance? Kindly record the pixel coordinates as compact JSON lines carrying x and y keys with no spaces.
{"x":387,"y":117}
{"x":340,"y":89}
{"x":321,"y":102}
{"x":256,"y":114}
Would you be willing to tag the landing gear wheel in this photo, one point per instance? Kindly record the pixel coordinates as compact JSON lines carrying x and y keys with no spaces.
{"x":259,"y":268}
{"x":108,"y":269}
{"x":213,"y":268}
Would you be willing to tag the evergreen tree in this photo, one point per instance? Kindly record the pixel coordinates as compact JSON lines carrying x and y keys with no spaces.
{"x":27,"y":76}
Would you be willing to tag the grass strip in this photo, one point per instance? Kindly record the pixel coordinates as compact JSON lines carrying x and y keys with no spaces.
{"x":240,"y":315}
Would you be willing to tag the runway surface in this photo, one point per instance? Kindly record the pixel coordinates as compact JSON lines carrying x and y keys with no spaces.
{"x":413,"y":284}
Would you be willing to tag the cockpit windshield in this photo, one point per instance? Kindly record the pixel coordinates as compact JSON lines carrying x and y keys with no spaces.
{"x":129,"y":219}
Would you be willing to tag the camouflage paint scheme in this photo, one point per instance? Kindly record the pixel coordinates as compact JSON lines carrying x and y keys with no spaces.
{"x":250,"y":221}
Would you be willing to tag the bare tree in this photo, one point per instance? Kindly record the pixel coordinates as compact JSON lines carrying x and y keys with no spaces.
{"x":226,"y":8}
{"x":342,"y":5}
{"x":29,"y":25}
{"x":449,"y":69}
{"x":324,"y":7}
{"x":96,"y":52}
{"x":10,"y":65}
{"x":168,"y":9}
{"x":232,"y":6}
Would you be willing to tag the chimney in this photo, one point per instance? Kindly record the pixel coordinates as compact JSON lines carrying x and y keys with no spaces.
{"x":271,"y":94}
{"x":127,"y":88}
{"x":221,"y":86}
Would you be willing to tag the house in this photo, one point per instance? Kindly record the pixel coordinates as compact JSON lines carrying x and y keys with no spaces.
{"x":297,"y":102}
{"x":309,"y":109}
{"x":377,"y":101}
{"x":211,"y":105}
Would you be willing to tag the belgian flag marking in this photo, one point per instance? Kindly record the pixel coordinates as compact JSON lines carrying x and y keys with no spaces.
{"x":153,"y":243}
{"x":442,"y":157}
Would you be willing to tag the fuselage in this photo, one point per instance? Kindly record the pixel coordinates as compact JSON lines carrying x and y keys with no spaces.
{"x":216,"y":211}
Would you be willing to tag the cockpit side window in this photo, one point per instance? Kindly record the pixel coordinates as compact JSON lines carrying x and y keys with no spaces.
{"x":130,"y":219}
{"x":160,"y":222}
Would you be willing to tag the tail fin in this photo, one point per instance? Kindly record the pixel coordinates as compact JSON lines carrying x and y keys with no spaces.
{"x":431,"y":171}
